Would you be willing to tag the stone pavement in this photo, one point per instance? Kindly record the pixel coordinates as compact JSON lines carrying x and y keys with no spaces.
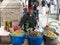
{"x":24,"y":44}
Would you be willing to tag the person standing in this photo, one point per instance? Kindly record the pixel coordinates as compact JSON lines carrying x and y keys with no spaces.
{"x":28,"y":20}
{"x":43,"y":2}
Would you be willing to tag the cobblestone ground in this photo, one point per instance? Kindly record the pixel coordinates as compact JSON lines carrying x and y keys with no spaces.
{"x":26,"y":43}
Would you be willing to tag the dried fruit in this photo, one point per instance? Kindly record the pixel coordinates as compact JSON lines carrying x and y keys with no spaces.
{"x":34,"y":33}
{"x":17,"y":33}
{"x":50,"y":34}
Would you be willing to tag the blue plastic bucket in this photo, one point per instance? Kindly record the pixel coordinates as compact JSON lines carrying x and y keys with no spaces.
{"x":35,"y":40}
{"x":17,"y":40}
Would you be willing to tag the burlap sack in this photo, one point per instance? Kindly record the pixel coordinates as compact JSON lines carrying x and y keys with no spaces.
{"x":5,"y":39}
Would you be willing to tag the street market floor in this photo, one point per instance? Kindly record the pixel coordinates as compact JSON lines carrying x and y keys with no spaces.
{"x":25,"y":44}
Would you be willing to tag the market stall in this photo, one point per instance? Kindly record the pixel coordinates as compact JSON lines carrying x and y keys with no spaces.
{"x":11,"y":33}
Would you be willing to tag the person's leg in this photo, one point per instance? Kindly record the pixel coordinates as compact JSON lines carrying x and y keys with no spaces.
{"x":37,"y":15}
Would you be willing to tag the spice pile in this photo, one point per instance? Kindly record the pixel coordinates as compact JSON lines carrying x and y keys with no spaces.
{"x":50,"y":34}
{"x":16,"y":31}
{"x":34,"y":33}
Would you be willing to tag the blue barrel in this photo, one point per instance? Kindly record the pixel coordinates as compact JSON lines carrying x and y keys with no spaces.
{"x":35,"y":40}
{"x":17,"y":40}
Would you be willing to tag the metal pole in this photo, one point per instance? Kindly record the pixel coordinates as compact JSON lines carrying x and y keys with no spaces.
{"x":48,"y":16}
{"x":58,"y":9}
{"x":0,"y":17}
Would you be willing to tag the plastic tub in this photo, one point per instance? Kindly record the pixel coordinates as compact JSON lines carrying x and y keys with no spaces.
{"x":54,"y":30}
{"x":35,"y":40}
{"x":50,"y":40}
{"x":17,"y":40}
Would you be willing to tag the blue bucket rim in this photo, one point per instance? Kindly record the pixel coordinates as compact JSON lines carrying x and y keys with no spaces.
{"x":18,"y":36}
{"x":35,"y":37}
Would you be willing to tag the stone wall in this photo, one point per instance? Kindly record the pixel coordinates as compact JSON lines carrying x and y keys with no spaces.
{"x":11,"y":10}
